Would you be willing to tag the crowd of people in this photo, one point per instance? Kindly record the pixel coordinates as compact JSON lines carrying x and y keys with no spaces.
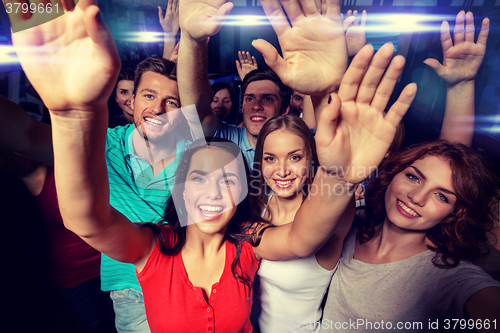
{"x":304,"y":214}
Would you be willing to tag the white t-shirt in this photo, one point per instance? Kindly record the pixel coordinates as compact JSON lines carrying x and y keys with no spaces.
{"x":408,"y":295}
{"x":288,"y":295}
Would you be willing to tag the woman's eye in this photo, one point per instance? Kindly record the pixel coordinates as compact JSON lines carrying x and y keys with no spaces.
{"x":227,"y":182}
{"x":442,"y":197}
{"x":268,"y":159}
{"x":296,"y":158}
{"x":197,"y":179}
{"x":412,"y":177}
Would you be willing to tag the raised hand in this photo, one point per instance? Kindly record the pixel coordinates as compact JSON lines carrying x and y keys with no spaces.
{"x":246,"y":64}
{"x":355,"y":34}
{"x":72,"y":60}
{"x":461,"y":58}
{"x":170,"y":22}
{"x":200,"y":19}
{"x":352,"y":140}
{"x":314,"y":48}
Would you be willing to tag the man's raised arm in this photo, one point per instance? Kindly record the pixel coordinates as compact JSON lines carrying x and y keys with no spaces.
{"x":199,"y":19}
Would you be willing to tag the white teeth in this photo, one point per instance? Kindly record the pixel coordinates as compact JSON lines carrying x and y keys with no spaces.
{"x":211,"y":208}
{"x":154,"y":121}
{"x":408,"y":209}
{"x":283,"y":182}
{"x":258,"y":118}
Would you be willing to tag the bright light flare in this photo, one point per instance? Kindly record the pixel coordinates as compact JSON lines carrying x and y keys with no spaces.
{"x":8,"y":55}
{"x":488,"y":123}
{"x":388,"y":23}
{"x":141,"y":37}
{"x":405,"y":23}
{"x":248,"y":20}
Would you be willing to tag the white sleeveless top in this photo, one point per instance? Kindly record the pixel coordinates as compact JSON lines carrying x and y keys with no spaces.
{"x":288,"y":295}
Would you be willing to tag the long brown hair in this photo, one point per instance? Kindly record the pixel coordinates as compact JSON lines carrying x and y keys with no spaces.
{"x":462,"y":234}
{"x":258,"y":187}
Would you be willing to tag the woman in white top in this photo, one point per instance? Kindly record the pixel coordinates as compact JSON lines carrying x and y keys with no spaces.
{"x":288,"y":294}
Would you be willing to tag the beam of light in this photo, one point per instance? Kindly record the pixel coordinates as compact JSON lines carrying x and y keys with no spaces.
{"x":248,"y":20}
{"x":388,"y":23}
{"x":488,"y":123}
{"x":141,"y":37}
{"x":7,"y":55}
{"x":406,"y":23}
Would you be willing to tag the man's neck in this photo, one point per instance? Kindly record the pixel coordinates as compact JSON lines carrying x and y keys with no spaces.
{"x":251,"y":139}
{"x":158,"y":155}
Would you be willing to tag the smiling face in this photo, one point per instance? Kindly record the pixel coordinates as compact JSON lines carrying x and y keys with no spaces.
{"x":221,"y":104}
{"x":212,"y":190}
{"x":261,"y":102}
{"x":421,"y":196}
{"x":156,"y":106}
{"x":285,"y":163}
{"x":123,"y":96}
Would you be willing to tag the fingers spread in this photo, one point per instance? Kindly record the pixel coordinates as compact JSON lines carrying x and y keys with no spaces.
{"x":332,"y":8}
{"x":309,"y":7}
{"x":271,"y":56}
{"x":458,"y":33}
{"x":276,"y":16}
{"x":374,"y":73}
{"x":352,"y":78}
{"x":469,"y":27}
{"x":401,"y":106}
{"x":446,"y":42}
{"x":483,"y":34}
{"x":386,"y":86}
{"x":327,"y":124}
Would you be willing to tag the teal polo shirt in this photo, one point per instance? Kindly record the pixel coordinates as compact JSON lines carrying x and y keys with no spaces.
{"x":135,"y":193}
{"x":239,"y":136}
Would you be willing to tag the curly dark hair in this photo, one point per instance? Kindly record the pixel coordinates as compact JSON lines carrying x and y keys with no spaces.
{"x":175,"y":212}
{"x":462,"y":234}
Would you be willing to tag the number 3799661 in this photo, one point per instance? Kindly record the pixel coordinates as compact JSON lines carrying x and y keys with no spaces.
{"x":470,"y":324}
{"x":31,"y":8}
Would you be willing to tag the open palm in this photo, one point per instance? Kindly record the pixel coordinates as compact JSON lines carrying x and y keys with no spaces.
{"x":461,"y":59}
{"x":314,"y":47}
{"x":353,"y":134}
{"x":72,"y":60}
{"x":201,"y":19}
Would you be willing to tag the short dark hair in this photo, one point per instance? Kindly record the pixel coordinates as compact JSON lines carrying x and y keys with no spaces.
{"x":157,"y":65}
{"x":267,"y":74}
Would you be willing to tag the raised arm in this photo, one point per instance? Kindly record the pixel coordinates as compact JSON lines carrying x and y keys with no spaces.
{"x":461,"y":61}
{"x":76,"y":53}
{"x":246,"y":64}
{"x":351,"y":140}
{"x":23,"y":134}
{"x":199,"y":19}
{"x":314,"y":48}
{"x":355,"y":33}
{"x":170,"y":25}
